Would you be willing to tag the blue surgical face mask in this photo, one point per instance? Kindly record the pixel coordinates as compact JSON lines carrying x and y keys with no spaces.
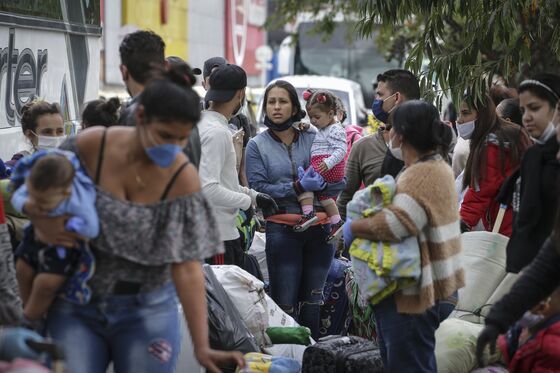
{"x":377,"y":109}
{"x":163,"y":155}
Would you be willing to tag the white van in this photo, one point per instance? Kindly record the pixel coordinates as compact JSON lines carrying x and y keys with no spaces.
{"x":348,"y":91}
{"x":47,"y":52}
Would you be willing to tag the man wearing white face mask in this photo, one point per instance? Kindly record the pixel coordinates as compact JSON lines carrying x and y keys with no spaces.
{"x":218,"y":173}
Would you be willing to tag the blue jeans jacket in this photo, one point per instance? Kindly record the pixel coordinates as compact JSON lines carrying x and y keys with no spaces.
{"x":271,"y":168}
{"x":298,"y":262}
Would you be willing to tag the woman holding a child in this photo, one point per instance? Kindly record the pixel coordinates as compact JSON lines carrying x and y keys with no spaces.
{"x":298,"y":261}
{"x":155,"y":229}
{"x":423,"y":207}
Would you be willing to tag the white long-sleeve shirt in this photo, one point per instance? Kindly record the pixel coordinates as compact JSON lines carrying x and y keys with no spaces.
{"x":218,"y":173}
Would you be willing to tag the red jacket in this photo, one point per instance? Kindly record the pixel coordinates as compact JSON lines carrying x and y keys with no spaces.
{"x":481,"y":203}
{"x":541,"y":354}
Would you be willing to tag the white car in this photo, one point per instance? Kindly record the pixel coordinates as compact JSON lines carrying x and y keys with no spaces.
{"x":348,"y":91}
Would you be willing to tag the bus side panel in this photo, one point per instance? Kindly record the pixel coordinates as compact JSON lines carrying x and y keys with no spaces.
{"x":39,"y":66}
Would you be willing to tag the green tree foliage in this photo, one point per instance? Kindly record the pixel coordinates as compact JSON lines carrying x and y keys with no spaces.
{"x":460,"y":44}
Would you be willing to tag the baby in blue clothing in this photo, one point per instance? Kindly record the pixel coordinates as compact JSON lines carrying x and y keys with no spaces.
{"x":52,"y":183}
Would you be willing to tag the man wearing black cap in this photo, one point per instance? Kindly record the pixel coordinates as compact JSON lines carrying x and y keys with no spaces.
{"x":209,"y":66}
{"x":237,"y":122}
{"x":218,"y":174}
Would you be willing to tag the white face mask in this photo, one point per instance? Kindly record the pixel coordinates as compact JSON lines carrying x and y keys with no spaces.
{"x":396,"y":152}
{"x":548,"y":132}
{"x":49,"y":142}
{"x":466,"y":129}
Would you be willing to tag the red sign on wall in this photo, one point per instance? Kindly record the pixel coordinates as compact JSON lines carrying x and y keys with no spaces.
{"x":244,"y":33}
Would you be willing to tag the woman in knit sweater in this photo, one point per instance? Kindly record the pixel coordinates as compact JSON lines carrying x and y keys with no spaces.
{"x":424,"y":206}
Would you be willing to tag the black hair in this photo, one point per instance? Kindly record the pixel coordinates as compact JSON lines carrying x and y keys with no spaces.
{"x":292,"y":93}
{"x":101,"y":113}
{"x":419,"y":123}
{"x":32,"y":110}
{"x":182,"y":67}
{"x":324,"y":100}
{"x":499,"y":93}
{"x":51,"y":171}
{"x":169,"y":97}
{"x":340,"y":108}
{"x":510,"y":110}
{"x":402,"y":81}
{"x":140,"y":52}
{"x":508,"y":135}
{"x":552,"y":81}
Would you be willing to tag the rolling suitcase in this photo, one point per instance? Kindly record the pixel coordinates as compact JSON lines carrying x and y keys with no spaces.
{"x":335,"y":311}
{"x":337,"y":354}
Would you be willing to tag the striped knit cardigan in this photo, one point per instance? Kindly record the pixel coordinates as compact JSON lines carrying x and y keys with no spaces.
{"x":425,"y":205}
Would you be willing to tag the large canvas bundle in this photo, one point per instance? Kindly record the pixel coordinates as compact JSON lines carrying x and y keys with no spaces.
{"x":456,"y":346}
{"x":484,"y":262}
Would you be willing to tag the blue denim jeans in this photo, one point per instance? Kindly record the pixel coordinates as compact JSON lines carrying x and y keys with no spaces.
{"x":407,"y":341}
{"x":139,"y":333}
{"x":298,"y":264}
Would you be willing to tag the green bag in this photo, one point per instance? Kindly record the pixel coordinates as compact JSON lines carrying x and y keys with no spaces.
{"x":6,"y":196}
{"x":299,"y":335}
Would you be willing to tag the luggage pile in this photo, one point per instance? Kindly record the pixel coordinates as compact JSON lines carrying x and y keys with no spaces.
{"x":242,"y":317}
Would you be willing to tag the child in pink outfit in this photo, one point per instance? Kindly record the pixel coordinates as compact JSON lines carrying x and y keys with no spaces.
{"x":327,"y":157}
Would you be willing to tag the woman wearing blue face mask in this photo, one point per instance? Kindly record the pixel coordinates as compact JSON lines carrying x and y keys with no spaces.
{"x":495,"y":151}
{"x":155,"y":229}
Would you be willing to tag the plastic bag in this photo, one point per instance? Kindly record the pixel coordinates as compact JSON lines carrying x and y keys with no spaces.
{"x":261,"y":363}
{"x":292,"y":351}
{"x":258,"y":250}
{"x":289,"y":335}
{"x":247,"y":294}
{"x":225,"y":327}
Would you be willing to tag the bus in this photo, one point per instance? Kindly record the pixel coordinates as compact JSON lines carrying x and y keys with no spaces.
{"x":49,"y":50}
{"x":341,"y":55}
